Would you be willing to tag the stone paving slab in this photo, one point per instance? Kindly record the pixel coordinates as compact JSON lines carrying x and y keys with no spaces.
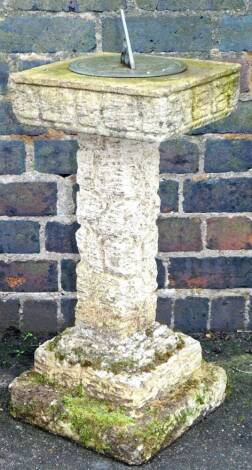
{"x":222,"y":441}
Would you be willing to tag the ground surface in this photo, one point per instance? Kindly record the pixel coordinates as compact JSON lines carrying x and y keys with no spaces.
{"x":222,"y":441}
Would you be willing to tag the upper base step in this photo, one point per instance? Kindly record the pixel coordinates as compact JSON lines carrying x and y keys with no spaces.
{"x":128,"y":371}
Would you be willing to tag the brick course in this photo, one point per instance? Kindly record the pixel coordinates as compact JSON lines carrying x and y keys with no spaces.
{"x":205,"y":241}
{"x":12,"y":158}
{"x":28,"y":276}
{"x":19,"y":237}
{"x":225,"y":233}
{"x":61,"y":237}
{"x":57,"y":157}
{"x":28,"y":199}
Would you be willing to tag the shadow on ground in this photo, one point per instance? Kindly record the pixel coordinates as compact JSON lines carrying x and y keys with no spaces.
{"x":222,"y":441}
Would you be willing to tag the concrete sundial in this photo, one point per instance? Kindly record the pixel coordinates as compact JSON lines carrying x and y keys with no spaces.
{"x":119,"y":382}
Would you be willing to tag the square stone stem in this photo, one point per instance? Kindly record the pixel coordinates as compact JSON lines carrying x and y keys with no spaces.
{"x":117,"y":209}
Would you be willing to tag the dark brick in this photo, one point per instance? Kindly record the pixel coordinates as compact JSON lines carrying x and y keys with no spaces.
{"x":228,"y":314}
{"x":12,"y":157}
{"x":76,"y":189}
{"x":179,"y":156}
{"x":25,"y":64}
{"x":210,"y":273}
{"x":147,"y":4}
{"x":4,"y":75}
{"x":249,"y":326}
{"x":240,"y":121}
{"x":31,"y":198}
{"x":218,"y":195}
{"x":235,"y":33}
{"x":9,"y":314}
{"x":9,"y":124}
{"x":225,"y":233}
{"x":19,"y":237}
{"x":191,"y":314}
{"x":164,"y":310}
{"x":56,"y":156}
{"x":68,"y":5}
{"x":160,"y":34}
{"x":179,"y":234}
{"x":178,"y":5}
{"x":46,"y":34}
{"x":228,"y":155}
{"x":28,"y":276}
{"x":61,"y":238}
{"x":68,"y":275}
{"x":161,"y":274}
{"x":168,"y":192}
{"x":40,"y":316}
{"x":68,"y":312}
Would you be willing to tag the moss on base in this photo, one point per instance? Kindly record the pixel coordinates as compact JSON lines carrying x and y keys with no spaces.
{"x":131,"y":435}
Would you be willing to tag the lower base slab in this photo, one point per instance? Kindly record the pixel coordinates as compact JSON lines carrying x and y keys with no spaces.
{"x":130,"y":435}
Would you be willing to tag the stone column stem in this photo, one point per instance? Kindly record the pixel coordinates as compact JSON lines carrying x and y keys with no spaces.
{"x":117,"y":209}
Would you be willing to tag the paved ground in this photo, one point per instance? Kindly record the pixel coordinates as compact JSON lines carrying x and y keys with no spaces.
{"x":222,"y":441}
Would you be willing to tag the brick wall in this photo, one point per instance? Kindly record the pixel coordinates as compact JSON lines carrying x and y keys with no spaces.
{"x":205,"y":226}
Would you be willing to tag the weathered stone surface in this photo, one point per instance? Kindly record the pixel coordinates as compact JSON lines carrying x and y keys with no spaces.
{"x":130,"y":372}
{"x":141,"y":109}
{"x":117,"y":210}
{"x":119,"y":382}
{"x":113,"y":429}
{"x":240,"y":121}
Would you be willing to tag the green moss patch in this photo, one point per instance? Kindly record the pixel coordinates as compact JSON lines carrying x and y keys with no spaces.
{"x":91,"y":419}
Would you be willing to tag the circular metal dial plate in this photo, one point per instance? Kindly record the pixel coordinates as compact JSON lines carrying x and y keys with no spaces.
{"x":109,"y":65}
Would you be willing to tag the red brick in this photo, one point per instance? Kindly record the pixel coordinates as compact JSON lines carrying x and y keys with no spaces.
{"x":28,"y":276}
{"x":210,"y":273}
{"x":229,"y":233}
{"x":179,"y":234}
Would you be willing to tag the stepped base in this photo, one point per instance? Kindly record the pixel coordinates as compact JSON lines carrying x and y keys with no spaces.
{"x":132,"y":435}
{"x":129,"y":371}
